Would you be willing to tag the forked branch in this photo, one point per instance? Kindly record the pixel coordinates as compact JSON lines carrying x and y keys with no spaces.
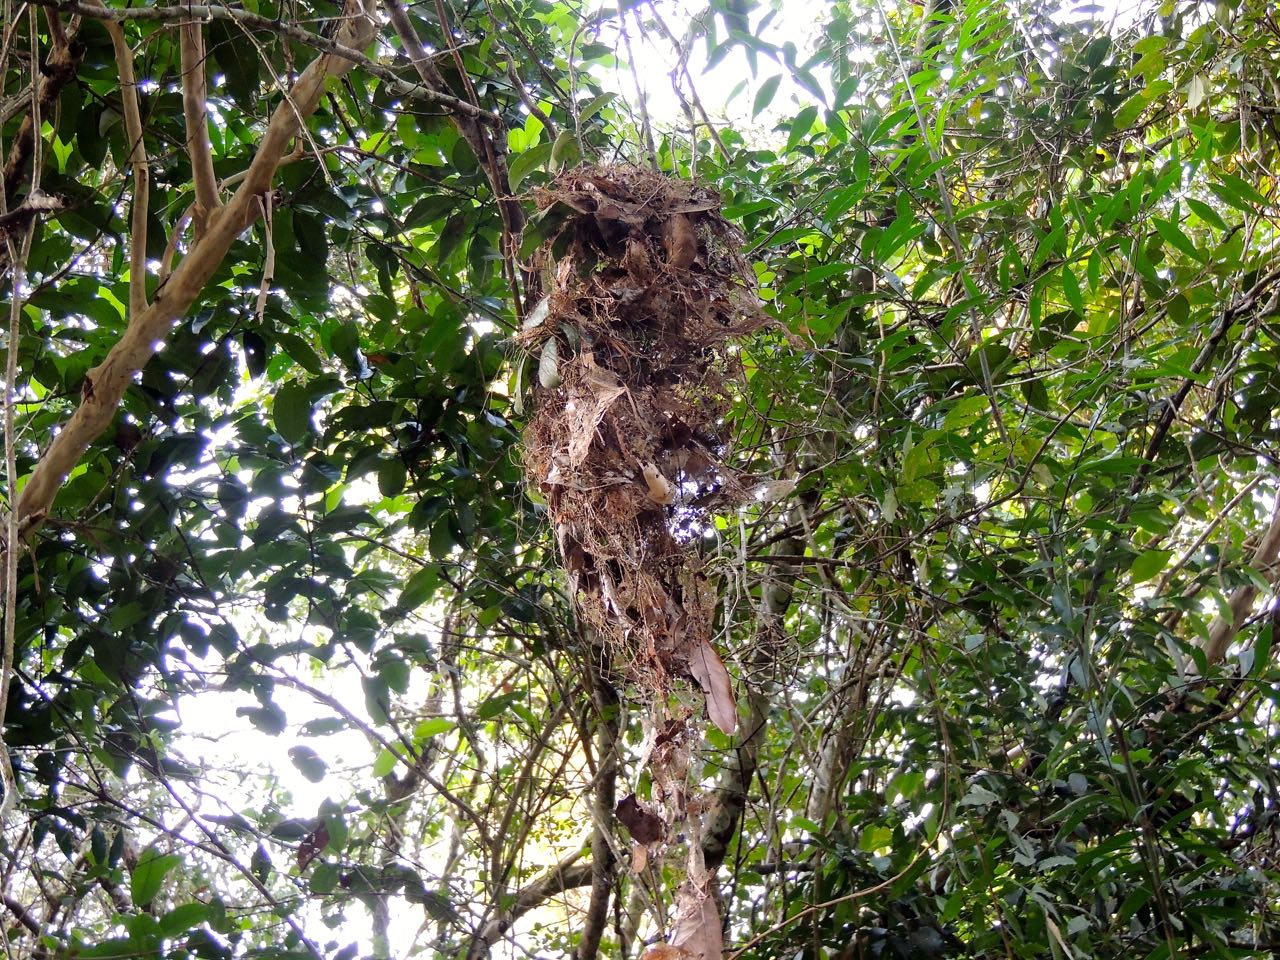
{"x":105,"y":384}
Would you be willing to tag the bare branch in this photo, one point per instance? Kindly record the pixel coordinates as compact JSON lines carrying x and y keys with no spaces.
{"x":22,"y":913}
{"x":195,"y":111}
{"x":568,"y":874}
{"x":141,"y":170}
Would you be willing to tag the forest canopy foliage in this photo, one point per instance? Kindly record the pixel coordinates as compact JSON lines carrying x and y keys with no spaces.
{"x":979,"y":506}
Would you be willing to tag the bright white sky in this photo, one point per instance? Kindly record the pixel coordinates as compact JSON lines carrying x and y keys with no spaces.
{"x":728,"y":91}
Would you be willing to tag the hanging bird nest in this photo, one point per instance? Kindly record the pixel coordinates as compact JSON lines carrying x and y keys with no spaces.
{"x":629,"y":444}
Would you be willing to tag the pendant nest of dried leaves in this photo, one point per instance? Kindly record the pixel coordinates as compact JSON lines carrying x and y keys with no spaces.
{"x":646,"y":289}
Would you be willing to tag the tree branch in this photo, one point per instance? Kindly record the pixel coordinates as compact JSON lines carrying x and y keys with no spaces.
{"x":195,"y":112}
{"x":141,"y":170}
{"x":22,"y":913}
{"x":59,"y":68}
{"x":568,"y":874}
{"x":253,"y":21}
{"x":1222,"y":631}
{"x":105,"y":384}
{"x":602,"y":802}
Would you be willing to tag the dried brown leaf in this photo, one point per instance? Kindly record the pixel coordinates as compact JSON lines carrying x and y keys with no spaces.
{"x":709,"y":670}
{"x":639,"y":857}
{"x":681,"y":241}
{"x":643,"y":826}
{"x":697,"y":928}
{"x":664,"y":951}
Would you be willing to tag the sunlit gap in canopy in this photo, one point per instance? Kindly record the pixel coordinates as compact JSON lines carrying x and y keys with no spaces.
{"x":728,"y":88}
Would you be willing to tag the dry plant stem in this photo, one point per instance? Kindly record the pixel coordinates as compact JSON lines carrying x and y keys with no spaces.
{"x":105,"y":384}
{"x":18,"y":258}
{"x":195,"y":112}
{"x":141,"y":171}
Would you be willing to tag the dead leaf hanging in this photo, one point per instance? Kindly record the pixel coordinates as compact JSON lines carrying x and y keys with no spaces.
{"x":628,"y":442}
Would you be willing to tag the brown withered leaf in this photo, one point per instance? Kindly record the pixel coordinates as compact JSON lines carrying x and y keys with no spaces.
{"x":697,"y":928}
{"x":709,"y":670}
{"x":644,"y":826}
{"x":681,"y":241}
{"x":312,"y":844}
{"x":639,"y":857}
{"x":665,"y":951}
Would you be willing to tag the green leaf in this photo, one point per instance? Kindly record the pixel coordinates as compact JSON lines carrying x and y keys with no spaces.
{"x":391,"y":476}
{"x":291,"y":412}
{"x":268,"y":718}
{"x":1130,"y":110}
{"x":1244,"y":190}
{"x":183,"y":918}
{"x":419,"y":588}
{"x":431,"y":208}
{"x":300,"y":351}
{"x":432,"y":727}
{"x":1071,"y":287}
{"x":566,"y":151}
{"x":801,"y":126}
{"x":497,"y":705}
{"x":451,"y":236}
{"x":324,"y":878}
{"x":148,"y":875}
{"x":1149,"y":563}
{"x":384,"y":763}
{"x":764,"y":96}
{"x":237,"y":60}
{"x":527,"y":162}
{"x":1207,"y":213}
{"x":1173,"y":235}
{"x":595,"y":106}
